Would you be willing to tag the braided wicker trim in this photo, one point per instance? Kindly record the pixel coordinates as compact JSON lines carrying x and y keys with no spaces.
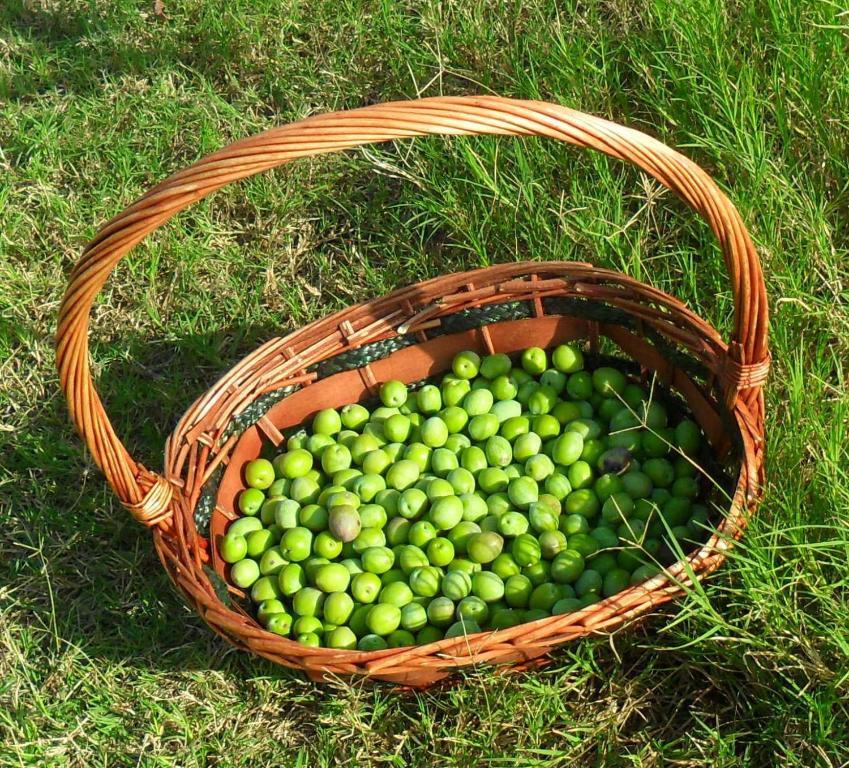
{"x":155,"y":506}
{"x":739,"y":376}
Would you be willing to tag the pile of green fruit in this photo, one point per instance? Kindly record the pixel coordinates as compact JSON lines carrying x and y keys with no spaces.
{"x":504,"y":493}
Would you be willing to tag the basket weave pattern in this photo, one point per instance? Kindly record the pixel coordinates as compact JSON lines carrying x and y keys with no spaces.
{"x":410,"y":326}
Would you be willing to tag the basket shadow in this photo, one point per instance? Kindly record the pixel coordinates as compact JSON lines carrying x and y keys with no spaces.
{"x":73,"y":559}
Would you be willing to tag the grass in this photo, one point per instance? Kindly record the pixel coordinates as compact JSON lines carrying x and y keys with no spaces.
{"x":100,"y":663}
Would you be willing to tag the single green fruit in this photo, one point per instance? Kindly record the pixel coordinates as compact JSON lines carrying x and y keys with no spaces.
{"x":327,"y":422}
{"x":567,"y":567}
{"x":539,"y":468}
{"x":279,"y":624}
{"x":371,"y":642}
{"x":402,"y":474}
{"x":636,"y":484}
{"x":368,"y":538}
{"x":446,"y":512}
{"x":580,"y":386}
{"x":272,"y":562}
{"x":412,"y":503}
{"x":365,"y":587}
{"x":456,"y":585}
{"x":493,"y":480}
{"x":233,"y":548}
{"x":393,"y":393}
{"x":259,"y":474}
{"x":512,"y":524}
{"x":313,"y":517}
{"x":455,"y":419}
{"x":413,"y":617}
{"x":484,"y":547}
{"x":566,"y":605}
{"x":337,"y":607}
{"x":440,"y":551}
{"x":567,"y":448}
{"x":244,"y":573}
{"x":422,"y":533}
{"x":440,"y":611}
{"x":567,"y":358}
{"x":483,"y":427}
{"x":341,"y":638}
{"x":466,"y":365}
{"x":470,"y":608}
{"x":523,"y":492}
{"x":615,"y":581}
{"x":291,"y":578}
{"x":544,"y":597}
{"x":412,"y":557}
{"x":377,"y":559}
{"x":308,"y":601}
{"x":487,"y":586}
{"x":551,"y":543}
{"x":572,"y":524}
{"x":493,"y":366}
{"x":251,"y":501}
{"x":582,"y":502}
{"x":335,"y":458}
{"x":525,"y":550}
{"x":588,"y":582}
{"x":397,"y":593}
{"x":534,"y":360}
{"x":583,"y":544}
{"x":542,"y":518}
{"x":505,"y":566}
{"x":425,"y":581}
{"x":243,"y":526}
{"x":333,"y":577}
{"x":353,"y":416}
{"x":344,"y":522}
{"x":688,"y":438}
{"x":397,"y":531}
{"x":296,"y":544}
{"x":617,"y":508}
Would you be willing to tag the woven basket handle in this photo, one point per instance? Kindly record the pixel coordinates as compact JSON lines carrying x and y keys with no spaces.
{"x":146,"y":494}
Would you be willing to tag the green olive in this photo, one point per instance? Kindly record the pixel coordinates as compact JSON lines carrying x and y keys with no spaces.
{"x":383,"y":619}
{"x":251,"y":501}
{"x":484,"y":547}
{"x":327,"y":422}
{"x":466,"y":365}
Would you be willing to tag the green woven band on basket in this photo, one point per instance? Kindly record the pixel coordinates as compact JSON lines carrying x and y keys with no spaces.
{"x":604,"y":313}
{"x":238,"y":424}
{"x":257,"y":409}
{"x":475,"y":317}
{"x":206,"y":501}
{"x":587,"y":308}
{"x":362,"y":356}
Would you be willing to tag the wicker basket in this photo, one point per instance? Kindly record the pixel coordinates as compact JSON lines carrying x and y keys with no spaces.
{"x":412,"y":334}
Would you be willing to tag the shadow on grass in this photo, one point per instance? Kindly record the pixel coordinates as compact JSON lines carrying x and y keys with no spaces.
{"x":72,"y":559}
{"x":121,"y":41}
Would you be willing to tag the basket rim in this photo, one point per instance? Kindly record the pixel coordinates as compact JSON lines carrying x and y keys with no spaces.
{"x":665,"y":586}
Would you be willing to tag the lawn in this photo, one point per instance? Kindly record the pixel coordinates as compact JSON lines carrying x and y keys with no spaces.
{"x":100,"y":662}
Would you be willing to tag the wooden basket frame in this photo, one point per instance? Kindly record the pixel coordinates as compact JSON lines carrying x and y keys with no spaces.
{"x":206,"y":437}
